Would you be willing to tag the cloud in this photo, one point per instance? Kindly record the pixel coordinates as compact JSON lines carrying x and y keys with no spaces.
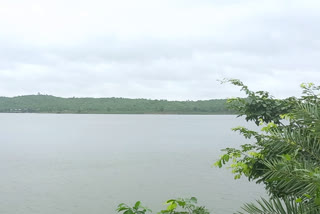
{"x":152,"y":49}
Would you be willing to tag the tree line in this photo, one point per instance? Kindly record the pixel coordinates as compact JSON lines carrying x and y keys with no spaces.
{"x":51,"y":104}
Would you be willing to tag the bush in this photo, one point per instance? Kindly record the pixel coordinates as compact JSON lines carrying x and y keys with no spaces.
{"x":285,"y":156}
{"x":174,"y":206}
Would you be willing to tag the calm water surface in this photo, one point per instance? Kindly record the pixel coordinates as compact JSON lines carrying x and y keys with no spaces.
{"x":88,"y":164}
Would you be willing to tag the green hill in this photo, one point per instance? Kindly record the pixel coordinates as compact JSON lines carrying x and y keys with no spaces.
{"x":52,"y":104}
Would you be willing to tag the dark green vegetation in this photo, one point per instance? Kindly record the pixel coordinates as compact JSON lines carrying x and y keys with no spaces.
{"x":51,"y":104}
{"x":174,"y":206}
{"x":285,"y":155}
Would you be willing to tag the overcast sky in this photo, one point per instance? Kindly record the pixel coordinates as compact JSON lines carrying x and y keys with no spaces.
{"x":164,"y":49}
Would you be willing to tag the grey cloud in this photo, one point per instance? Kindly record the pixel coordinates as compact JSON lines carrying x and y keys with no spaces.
{"x":273,"y":50}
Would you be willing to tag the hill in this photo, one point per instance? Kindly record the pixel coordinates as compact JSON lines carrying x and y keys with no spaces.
{"x":52,"y":104}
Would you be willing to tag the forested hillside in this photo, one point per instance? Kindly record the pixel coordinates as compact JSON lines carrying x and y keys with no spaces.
{"x":51,"y":104}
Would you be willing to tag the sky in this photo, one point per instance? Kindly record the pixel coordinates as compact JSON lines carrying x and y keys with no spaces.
{"x":168,"y":49}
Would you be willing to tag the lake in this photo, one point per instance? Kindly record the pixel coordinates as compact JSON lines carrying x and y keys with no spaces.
{"x":88,"y":164}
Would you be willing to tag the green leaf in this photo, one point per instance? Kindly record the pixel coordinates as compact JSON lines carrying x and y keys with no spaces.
{"x":286,"y":157}
{"x":181,"y":203}
{"x":226,"y":157}
{"x":194,"y":200}
{"x":128,"y":212}
{"x":172,"y":206}
{"x":299,"y":200}
{"x":317,"y":201}
{"x":122,"y":208}
{"x":307,"y":196}
{"x":136,"y":206}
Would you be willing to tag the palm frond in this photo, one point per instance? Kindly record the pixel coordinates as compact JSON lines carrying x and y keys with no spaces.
{"x":279,"y":206}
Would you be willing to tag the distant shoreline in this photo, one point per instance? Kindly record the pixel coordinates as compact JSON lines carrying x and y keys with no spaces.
{"x":116,"y":113}
{"x":57,"y":105}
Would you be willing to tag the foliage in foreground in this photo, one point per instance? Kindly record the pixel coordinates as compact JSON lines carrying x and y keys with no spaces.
{"x":285,"y":156}
{"x":174,"y":206}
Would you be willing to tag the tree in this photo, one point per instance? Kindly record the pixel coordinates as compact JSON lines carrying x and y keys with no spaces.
{"x":285,"y":155}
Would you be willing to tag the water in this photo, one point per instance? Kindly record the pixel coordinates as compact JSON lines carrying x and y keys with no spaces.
{"x":88,"y":164}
